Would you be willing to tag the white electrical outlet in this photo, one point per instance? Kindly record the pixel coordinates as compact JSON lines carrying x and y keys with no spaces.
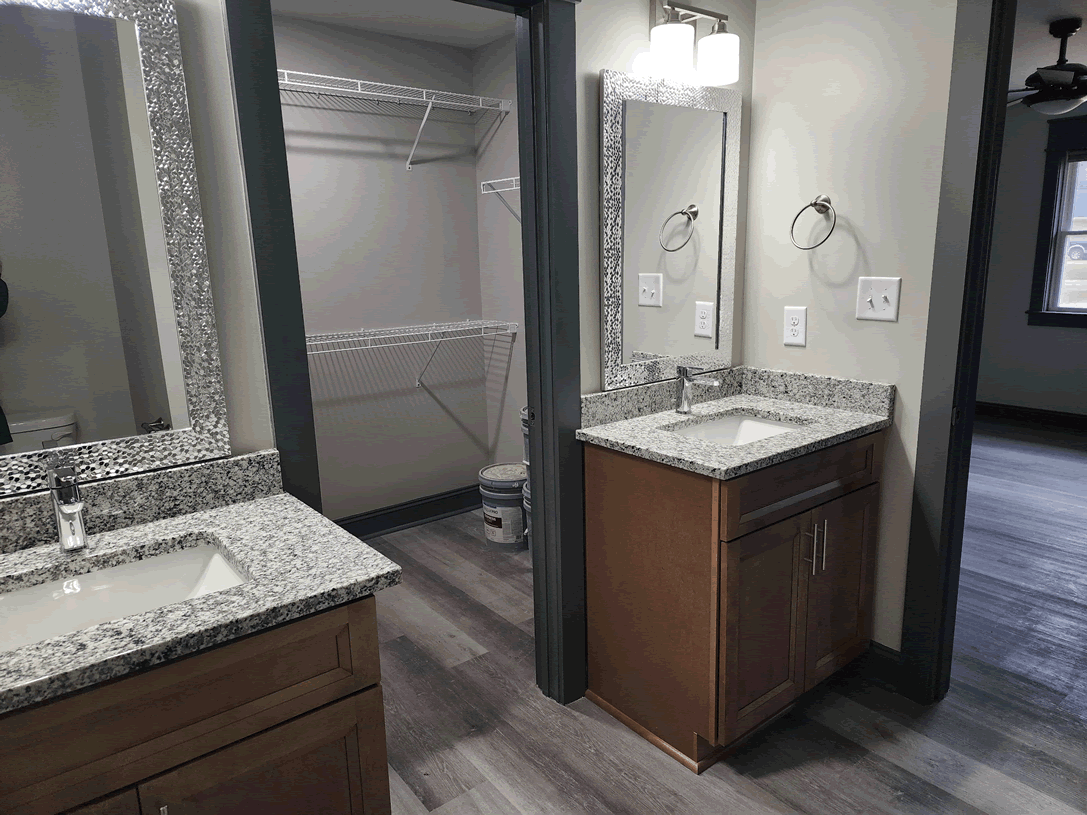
{"x":796,"y":325}
{"x":703,"y":319}
{"x":650,"y":289}
{"x":877,"y":298}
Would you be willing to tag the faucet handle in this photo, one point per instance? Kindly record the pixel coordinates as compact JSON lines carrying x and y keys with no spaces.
{"x":687,"y":371}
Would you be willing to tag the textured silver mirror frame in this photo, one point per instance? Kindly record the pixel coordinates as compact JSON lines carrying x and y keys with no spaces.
{"x":615,"y":88}
{"x":179,"y":199}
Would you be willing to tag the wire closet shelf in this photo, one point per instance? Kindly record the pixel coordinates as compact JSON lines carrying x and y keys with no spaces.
{"x":368,"y":338}
{"x":396,"y":95}
{"x":379,"y":91}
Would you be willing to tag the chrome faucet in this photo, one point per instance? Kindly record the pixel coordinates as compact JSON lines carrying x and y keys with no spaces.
{"x":685,"y":377}
{"x":67,"y":503}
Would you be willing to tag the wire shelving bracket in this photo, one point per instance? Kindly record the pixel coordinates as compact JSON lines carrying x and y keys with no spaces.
{"x":499,"y":186}
{"x":397,"y":94}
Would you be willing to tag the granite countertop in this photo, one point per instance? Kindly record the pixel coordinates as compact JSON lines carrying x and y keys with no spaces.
{"x":817,"y":427}
{"x":298,"y":562}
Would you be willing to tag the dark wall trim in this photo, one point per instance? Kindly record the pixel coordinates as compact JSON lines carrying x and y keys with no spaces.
{"x":880,"y":665}
{"x":412,"y":513}
{"x":1065,"y":136}
{"x":547,"y":116}
{"x":264,"y":158}
{"x":547,"y":113}
{"x":1036,"y":417}
{"x":1057,"y":319}
{"x":947,"y":413}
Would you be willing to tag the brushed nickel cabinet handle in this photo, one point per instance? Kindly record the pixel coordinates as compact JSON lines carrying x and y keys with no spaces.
{"x":164,"y":810}
{"x":814,"y":535}
{"x":824,"y":544}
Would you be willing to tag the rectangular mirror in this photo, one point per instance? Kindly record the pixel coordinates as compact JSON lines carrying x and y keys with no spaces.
{"x":107,"y":338}
{"x":670,"y":167}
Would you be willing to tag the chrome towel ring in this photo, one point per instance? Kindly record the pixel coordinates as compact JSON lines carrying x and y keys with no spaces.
{"x":691,"y":213}
{"x":821,"y":203}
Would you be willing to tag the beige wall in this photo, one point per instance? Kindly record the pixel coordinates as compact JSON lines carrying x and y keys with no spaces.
{"x":1028,"y":365}
{"x":224,"y":204}
{"x":610,"y":33}
{"x":833,"y":113}
{"x":501,"y":270}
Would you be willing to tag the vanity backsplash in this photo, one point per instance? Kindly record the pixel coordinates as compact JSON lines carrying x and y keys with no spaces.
{"x":823,"y":391}
{"x":27,"y":520}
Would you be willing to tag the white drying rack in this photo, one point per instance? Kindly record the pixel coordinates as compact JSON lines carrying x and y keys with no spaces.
{"x":397,"y":94}
{"x":318,"y":344}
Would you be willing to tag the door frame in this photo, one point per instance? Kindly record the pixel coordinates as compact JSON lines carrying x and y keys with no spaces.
{"x":547,"y":118}
{"x":971,"y":165}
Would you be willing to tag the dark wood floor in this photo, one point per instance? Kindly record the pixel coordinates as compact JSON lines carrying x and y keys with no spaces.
{"x":468,"y":731}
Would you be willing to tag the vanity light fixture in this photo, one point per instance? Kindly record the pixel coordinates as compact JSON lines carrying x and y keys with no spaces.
{"x":672,"y":48}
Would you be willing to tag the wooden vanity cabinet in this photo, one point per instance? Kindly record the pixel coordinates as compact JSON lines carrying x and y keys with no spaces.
{"x":293,"y":713}
{"x":712,"y":605}
{"x":122,"y":803}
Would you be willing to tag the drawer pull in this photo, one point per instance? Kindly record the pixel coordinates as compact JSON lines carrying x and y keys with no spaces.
{"x":824,"y":545}
{"x":164,"y":810}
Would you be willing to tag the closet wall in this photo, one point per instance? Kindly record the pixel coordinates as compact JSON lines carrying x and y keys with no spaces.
{"x":382,"y":247}
{"x":501,"y":276}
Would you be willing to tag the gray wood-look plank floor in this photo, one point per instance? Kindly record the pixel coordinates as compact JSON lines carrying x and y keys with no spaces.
{"x":469,"y":732}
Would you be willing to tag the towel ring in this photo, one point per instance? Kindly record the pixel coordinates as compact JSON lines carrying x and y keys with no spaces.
{"x":821,"y":203}
{"x":691,"y":213}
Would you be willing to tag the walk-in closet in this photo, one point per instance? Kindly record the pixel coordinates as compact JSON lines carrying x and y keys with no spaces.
{"x":401,"y":135}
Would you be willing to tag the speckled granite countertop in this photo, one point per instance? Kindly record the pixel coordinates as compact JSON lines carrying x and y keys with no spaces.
{"x":298,"y":563}
{"x":817,"y":427}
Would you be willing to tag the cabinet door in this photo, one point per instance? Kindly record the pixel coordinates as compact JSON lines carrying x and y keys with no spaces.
{"x":328,"y":762}
{"x":123,"y":803}
{"x":762,"y":665}
{"x":839,"y":594}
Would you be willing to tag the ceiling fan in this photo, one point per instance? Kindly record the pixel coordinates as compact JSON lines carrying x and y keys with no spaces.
{"x":1058,"y":88}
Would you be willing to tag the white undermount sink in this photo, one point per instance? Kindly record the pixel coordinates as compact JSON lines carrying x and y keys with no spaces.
{"x":735,"y":429}
{"x":34,"y":613}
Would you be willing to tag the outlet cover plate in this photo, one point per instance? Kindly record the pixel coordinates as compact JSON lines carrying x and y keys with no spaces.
{"x":877,"y":298}
{"x":703,"y":319}
{"x":651,"y":290}
{"x":796,"y":325}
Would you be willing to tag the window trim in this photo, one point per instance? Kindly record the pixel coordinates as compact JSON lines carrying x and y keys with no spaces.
{"x":1067,"y":138}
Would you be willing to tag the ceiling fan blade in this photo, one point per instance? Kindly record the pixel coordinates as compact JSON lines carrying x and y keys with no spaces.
{"x":1021,"y":90}
{"x":1014,"y":102}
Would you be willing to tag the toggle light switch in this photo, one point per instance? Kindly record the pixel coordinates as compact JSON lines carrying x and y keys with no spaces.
{"x":650,"y":290}
{"x":877,"y":298}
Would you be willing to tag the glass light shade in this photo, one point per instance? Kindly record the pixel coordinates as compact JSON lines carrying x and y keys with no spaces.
{"x":1055,"y":107}
{"x":719,"y":59}
{"x":671,"y":46}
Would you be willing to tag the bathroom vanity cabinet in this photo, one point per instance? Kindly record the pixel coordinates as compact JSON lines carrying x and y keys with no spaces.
{"x":289,"y":720}
{"x":712,"y":605}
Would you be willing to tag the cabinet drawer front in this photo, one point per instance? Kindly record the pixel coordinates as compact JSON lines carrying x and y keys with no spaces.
{"x":332,"y":760}
{"x":107,"y":737}
{"x":766,"y":496}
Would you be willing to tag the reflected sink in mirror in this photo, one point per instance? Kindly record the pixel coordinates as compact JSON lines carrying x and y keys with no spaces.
{"x":35,"y":613}
{"x":734,"y":430}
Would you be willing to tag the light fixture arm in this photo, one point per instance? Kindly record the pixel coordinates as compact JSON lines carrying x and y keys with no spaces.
{"x":694,"y":13}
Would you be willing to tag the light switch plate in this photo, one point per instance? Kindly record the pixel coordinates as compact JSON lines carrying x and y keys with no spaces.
{"x":796,"y":325}
{"x":703,"y":319}
{"x":877,"y":298}
{"x":650,"y":289}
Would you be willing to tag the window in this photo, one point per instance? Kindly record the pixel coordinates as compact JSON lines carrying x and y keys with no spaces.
{"x":1059,"y":293}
